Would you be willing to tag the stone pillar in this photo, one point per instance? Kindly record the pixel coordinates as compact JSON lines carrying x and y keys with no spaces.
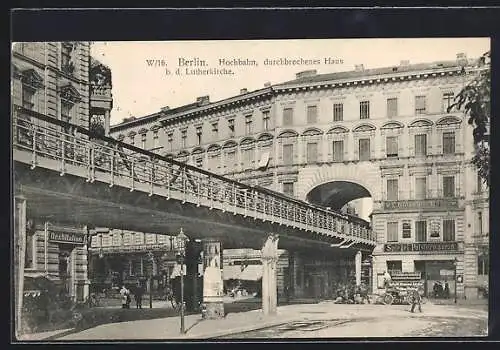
{"x":20,"y":248}
{"x":357,"y":263}
{"x":269,"y":276}
{"x":213,"y":283}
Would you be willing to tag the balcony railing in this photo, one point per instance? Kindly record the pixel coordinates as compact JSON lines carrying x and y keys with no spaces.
{"x":71,"y":148}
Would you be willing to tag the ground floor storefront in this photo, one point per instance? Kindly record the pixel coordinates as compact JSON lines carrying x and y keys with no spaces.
{"x":58,"y":253}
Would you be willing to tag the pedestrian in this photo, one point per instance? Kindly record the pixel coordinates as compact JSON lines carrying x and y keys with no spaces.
{"x":387,"y":279}
{"x":416,"y":299}
{"x":446,"y":290}
{"x":138,"y":296}
{"x":125,"y":294}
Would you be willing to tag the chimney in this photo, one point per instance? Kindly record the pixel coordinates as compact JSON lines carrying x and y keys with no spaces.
{"x":404,"y":63}
{"x":267,"y":84}
{"x":359,"y":67}
{"x":461,"y":58}
{"x":165,"y":109}
{"x":243,"y":91}
{"x":306,"y":74}
{"x":203,"y":100}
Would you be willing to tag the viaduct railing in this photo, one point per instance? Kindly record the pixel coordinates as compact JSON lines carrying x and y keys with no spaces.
{"x":69,"y":148}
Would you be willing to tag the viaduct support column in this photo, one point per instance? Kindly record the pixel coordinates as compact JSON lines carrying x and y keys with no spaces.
{"x":269,"y":275}
{"x":357,"y":266}
{"x":213,"y":285}
{"x":20,"y":247}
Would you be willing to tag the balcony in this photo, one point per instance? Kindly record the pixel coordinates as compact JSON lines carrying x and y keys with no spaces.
{"x":408,"y":201}
{"x":101,"y":97}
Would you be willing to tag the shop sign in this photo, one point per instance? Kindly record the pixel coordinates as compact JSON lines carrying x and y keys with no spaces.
{"x":422,"y":203}
{"x":421,"y":247}
{"x":66,"y":237}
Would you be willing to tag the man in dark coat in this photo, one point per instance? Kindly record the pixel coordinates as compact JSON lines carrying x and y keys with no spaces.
{"x":416,"y":299}
{"x":139,"y":292}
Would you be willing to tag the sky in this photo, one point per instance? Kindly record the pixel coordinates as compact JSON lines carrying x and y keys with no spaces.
{"x":140,"y":89}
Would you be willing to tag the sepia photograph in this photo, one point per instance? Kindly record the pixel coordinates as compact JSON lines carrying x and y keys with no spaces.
{"x":250,"y":189}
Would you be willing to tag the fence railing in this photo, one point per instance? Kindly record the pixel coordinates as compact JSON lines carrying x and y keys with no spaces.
{"x":107,"y":160}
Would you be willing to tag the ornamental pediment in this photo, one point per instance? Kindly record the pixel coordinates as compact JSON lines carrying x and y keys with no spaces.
{"x":312,"y":132}
{"x":31,"y":78}
{"x":338,"y":130}
{"x":288,"y":133}
{"x":420,"y":123}
{"x":448,"y":120}
{"x":392,"y":125}
{"x":364,"y":128}
{"x":70,"y":93}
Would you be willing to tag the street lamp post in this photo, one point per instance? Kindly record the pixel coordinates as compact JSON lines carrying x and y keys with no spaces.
{"x":181,"y":241}
{"x":455,"y":277}
{"x":150,"y":280}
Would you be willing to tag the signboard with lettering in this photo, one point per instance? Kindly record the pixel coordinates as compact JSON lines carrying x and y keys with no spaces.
{"x":66,"y":237}
{"x":422,"y":203}
{"x":421,"y":247}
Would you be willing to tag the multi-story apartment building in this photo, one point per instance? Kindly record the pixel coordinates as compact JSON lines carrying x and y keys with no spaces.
{"x":383,"y":133}
{"x":55,"y":79}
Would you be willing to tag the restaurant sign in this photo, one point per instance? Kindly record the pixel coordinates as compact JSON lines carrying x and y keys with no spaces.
{"x":422,"y":203}
{"x":421,"y":247}
{"x":66,"y":237}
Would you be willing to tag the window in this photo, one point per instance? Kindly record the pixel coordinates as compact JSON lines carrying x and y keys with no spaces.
{"x":288,"y":116}
{"x":392,"y":107}
{"x":288,"y":188}
{"x":312,"y":114}
{"x":479,"y":183}
{"x":421,"y":231}
{"x":421,"y":145}
{"x":199,"y":134}
{"x":448,"y":186}
{"x":448,"y":230}
{"x":447,"y":100}
{"x":394,"y":265}
{"x":448,"y":143}
{"x":143,"y":141}
{"x":248,"y":124}
{"x":265,"y":120}
{"x":338,"y":151}
{"x":364,"y":110}
{"x":230,"y":123}
{"x":215,"y":128}
{"x":391,"y":146}
{"x":483,"y":264}
{"x":199,"y":162}
{"x":170,"y":139}
{"x":338,"y":112}
{"x":248,"y":155}
{"x":406,"y":229}
{"x":132,"y":139}
{"x":28,"y":97}
{"x":66,"y":110}
{"x":392,"y":189}
{"x":288,"y":154}
{"x":420,"y":104}
{"x":184,"y":138}
{"x":479,"y":223}
{"x":155,"y":139}
{"x":392,"y":232}
{"x":312,"y":152}
{"x":420,"y":187}
{"x":66,"y":50}
{"x":364,"y":149}
{"x":230,"y":159}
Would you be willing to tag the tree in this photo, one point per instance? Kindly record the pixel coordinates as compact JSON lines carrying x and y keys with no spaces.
{"x":474,"y":99}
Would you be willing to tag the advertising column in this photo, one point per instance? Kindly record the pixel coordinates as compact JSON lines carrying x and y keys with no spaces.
{"x":213,"y":286}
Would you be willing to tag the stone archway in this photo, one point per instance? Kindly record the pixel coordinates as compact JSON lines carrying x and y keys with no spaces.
{"x":364,"y":174}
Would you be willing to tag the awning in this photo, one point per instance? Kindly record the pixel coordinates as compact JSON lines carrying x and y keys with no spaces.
{"x":249,"y":273}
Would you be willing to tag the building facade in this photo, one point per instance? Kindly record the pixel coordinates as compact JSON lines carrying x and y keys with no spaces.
{"x":383,"y":133}
{"x":54,"y":79}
